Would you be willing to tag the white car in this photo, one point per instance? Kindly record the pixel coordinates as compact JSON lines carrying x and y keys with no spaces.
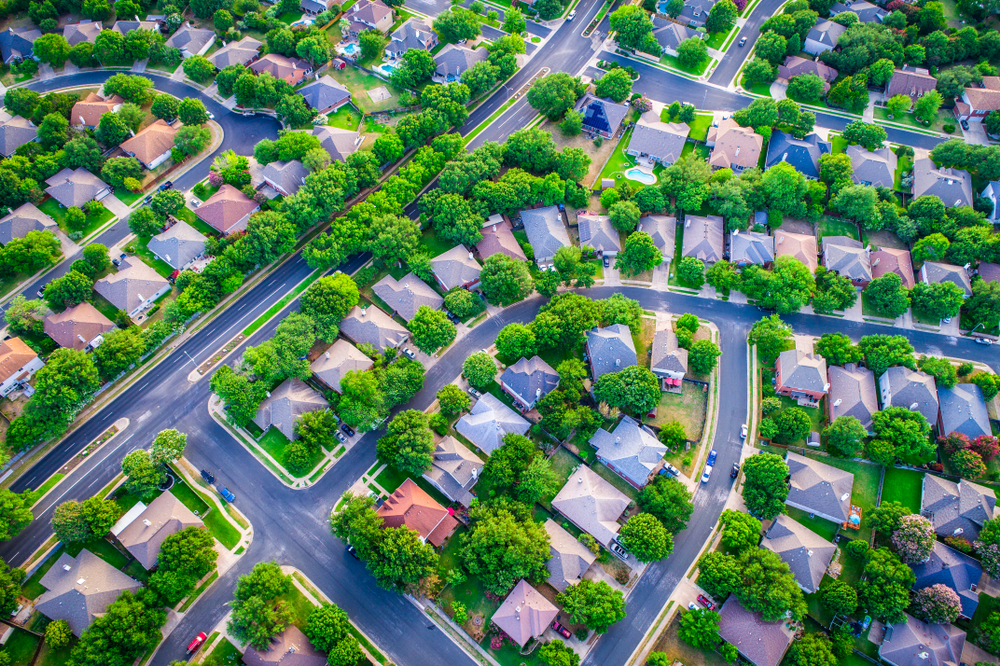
{"x":571,"y":16}
{"x":707,"y":474}
{"x":743,"y":432}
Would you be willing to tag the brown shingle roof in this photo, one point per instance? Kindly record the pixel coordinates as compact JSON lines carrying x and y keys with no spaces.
{"x":134,"y":283}
{"x":910,"y":81}
{"x":569,"y":560}
{"x":151,"y":141}
{"x":801,"y":246}
{"x":76,"y":327}
{"x":26,"y":218}
{"x":14,"y":355}
{"x":89,"y":110}
{"x":734,"y":145}
{"x":163,"y":516}
{"x":337,"y":361}
{"x":892,"y":260}
{"x":228,"y":210}
{"x":761,"y":643}
{"x":796,"y":65}
{"x":286,"y":404}
{"x":411,"y":507}
{"x":498,"y":238}
{"x":292,"y":71}
{"x":525,"y":613}
{"x":593,"y":504}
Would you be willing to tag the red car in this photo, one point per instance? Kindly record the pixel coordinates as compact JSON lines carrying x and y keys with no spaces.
{"x":704,"y":601}
{"x":196,"y":643}
{"x":561,"y":629}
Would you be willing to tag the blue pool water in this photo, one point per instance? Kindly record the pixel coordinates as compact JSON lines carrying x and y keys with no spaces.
{"x":388,"y":69}
{"x":351,"y":49}
{"x":641,"y":176}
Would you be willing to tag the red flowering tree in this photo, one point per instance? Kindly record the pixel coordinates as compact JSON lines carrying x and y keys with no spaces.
{"x":959,"y":543}
{"x":986,"y":446}
{"x":955,"y":441}
{"x":937,"y":604}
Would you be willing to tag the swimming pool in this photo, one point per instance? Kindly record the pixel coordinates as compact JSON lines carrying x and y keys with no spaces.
{"x":350,"y":49}
{"x":641,"y":176}
{"x":388,"y":69}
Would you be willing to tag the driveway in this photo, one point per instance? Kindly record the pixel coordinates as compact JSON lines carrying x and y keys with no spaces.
{"x":115,"y":205}
{"x":976,"y":134}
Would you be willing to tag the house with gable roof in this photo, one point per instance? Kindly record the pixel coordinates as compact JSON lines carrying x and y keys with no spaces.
{"x":823,"y":37}
{"x":164,"y":516}
{"x":87,"y":31}
{"x":289,"y":648}
{"x":956,"y":509}
{"x":27,"y":217}
{"x":592,"y":504}
{"x":179,"y":246}
{"x":454,"y":59}
{"x":191,"y":41}
{"x":242,"y":52}
{"x":286,"y":404}
{"x":801,"y":376}
{"x":751,"y":247}
{"x":864,"y":10}
{"x":77,"y":327}
{"x":134,"y":288}
{"x":76,"y":187}
{"x":733,"y":146}
{"x":342,"y":357}
{"x":656,"y":141}
{"x":946,"y":566}
{"x":631,"y":451}
{"x":849,"y":258}
{"x":911,"y":81}
{"x":952,"y":186}
{"x":610,"y":349}
{"x":601,"y":116}
{"x":546,"y":233}
{"x":325,"y":94}
{"x":963,"y":410}
{"x":818,"y":488}
{"x":498,"y":239}
{"x":760,"y":643}
{"x":803,"y":154}
{"x":456,"y":268}
{"x":488,"y":422}
{"x":528,"y":381}
{"x":79,"y":589}
{"x":374,"y":327}
{"x":228,"y":210}
{"x":569,"y":559}
{"x":413,"y":34}
{"x":934,"y":272}
{"x":525,"y":614}
{"x":14,"y":133}
{"x":800,"y":246}
{"x":368,"y":15}
{"x":667,"y":360}
{"x":799,"y":66}
{"x":411,"y":507}
{"x":152,"y":144}
{"x":596,"y":231}
{"x":892,"y":260}
{"x":703,"y":238}
{"x":405,"y":296}
{"x":339,"y":143}
{"x":876,"y":168}
{"x":454,"y":470}
{"x":806,"y":553}
{"x":662,"y":229}
{"x":852,"y":393}
{"x":977,"y":102}
{"x":916,"y":643}
{"x":18,"y":362}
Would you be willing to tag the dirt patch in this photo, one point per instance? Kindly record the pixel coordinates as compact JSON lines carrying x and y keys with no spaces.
{"x":687,"y":408}
{"x":883,"y":238}
{"x":379,"y":94}
{"x":798,"y":226}
{"x":616,"y":569}
{"x":598,"y":156}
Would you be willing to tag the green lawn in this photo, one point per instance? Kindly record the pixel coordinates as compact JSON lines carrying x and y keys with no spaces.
{"x":839,"y":143}
{"x":188,"y":216}
{"x":865,"y":491}
{"x":618,"y":163}
{"x":987,"y":606}
{"x":299,"y":606}
{"x":128,"y":198}
{"x":687,"y":408}
{"x":903,"y":165}
{"x":20,"y":647}
{"x":141,"y":248}
{"x":48,"y":485}
{"x":188,"y":497}
{"x":909,"y":119}
{"x":290,"y":17}
{"x":832,"y":226}
{"x":563,"y":464}
{"x":54,"y":209}
{"x":697,"y":70}
{"x":699,"y":126}
{"x":50,"y":657}
{"x":717,"y":39}
{"x":359,"y":83}
{"x":391,"y":478}
{"x":820,"y":526}
{"x":904,"y":486}
{"x":226,"y":653}
{"x":32,"y":589}
{"x":203,"y":191}
{"x":215,"y":520}
{"x":870,"y":309}
{"x":346,"y":117}
{"x":275,"y":443}
{"x":433,"y":245}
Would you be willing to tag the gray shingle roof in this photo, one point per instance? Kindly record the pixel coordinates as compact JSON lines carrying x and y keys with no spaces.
{"x":14,"y":133}
{"x":324,"y":93}
{"x":951,"y":186}
{"x":852,"y":393}
{"x":601,"y":115}
{"x":911,"y":389}
{"x":134,"y":283}
{"x":703,"y":238}
{"x":958,"y":571}
{"x":289,"y":648}
{"x":405,"y":296}
{"x":664,"y":141}
{"x":455,"y":470}
{"x":819,"y":488}
{"x":74,"y":188}
{"x":916,"y":643}
{"x":487,"y":423}
{"x":963,"y":410}
{"x":80,"y":589}
{"x":751,"y":247}
{"x":191,"y":40}
{"x":803,"y":154}
{"x":178,"y":245}
{"x":596,"y":231}
{"x":26,"y":218}
{"x":801,"y":371}
{"x":374,"y":327}
{"x":125,"y":27}
{"x":337,"y":361}
{"x":163,"y":516}
{"x":826,"y":32}
{"x":759,"y":642}
{"x":456,"y":268}
{"x":453,"y":59}
{"x":87,"y":31}
{"x":873,"y":168}
{"x":667,"y":356}
{"x":569,"y":559}
{"x":846,"y":256}
{"x":806,"y":553}
{"x":662,"y":229}
{"x":956,"y":508}
{"x":530,"y":379}
{"x":339,"y":143}
{"x":18,"y":42}
{"x":286,"y":404}
{"x":413,"y":34}
{"x":631,"y":450}
{"x":865,"y":11}
{"x":671,"y":35}
{"x":236,"y":53}
{"x":611,"y":349}
{"x":288,"y":176}
{"x":933,"y":272}
{"x":546,"y":232}
{"x":592,"y":504}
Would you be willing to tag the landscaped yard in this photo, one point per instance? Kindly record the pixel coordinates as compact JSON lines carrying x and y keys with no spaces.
{"x":563,"y":463}
{"x":687,"y":408}
{"x":697,"y":70}
{"x":226,"y":653}
{"x":359,"y":83}
{"x":20,"y":647}
{"x":55,"y":210}
{"x":679,"y":651}
{"x":866,"y":482}
{"x":346,"y":117}
{"x":820,"y":526}
{"x":215,"y":520}
{"x":903,"y":486}
{"x":274,"y":443}
{"x":390,"y":478}
{"x":832,"y":226}
{"x":882,"y":113}
{"x":618,"y":163}
{"x":699,"y":126}
{"x":987,"y":606}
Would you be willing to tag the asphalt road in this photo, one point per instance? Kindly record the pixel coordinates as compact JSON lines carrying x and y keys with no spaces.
{"x":726,"y":70}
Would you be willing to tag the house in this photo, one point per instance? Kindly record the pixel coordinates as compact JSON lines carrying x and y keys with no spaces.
{"x":733,"y":147}
{"x":852,"y":393}
{"x":79,"y":589}
{"x":803,"y":154}
{"x":806,"y":553}
{"x":77,"y":327}
{"x":283,"y":407}
{"x":16,"y":44}
{"x":151,"y":146}
{"x":313,"y":7}
{"x":887,"y":260}
{"x":876,"y":168}
{"x":695,"y":12}
{"x":342,"y":357}
{"x":864,"y":10}
{"x":956,"y":570}
{"x":667,"y":360}
{"x":339,"y":143}
{"x":847,"y":257}
{"x":228,"y":210}
{"x":910,"y":81}
{"x":670,"y":36}
{"x":657,"y":141}
{"x":912,"y":389}
{"x":956,"y":509}
{"x":14,"y":133}
{"x":934,"y":272}
{"x":18,"y":362}
{"x":374,"y":327}
{"x":125,"y":27}
{"x":610,"y":349}
{"x":759,"y":642}
{"x":292,"y":71}
{"x":456,"y":268}
{"x":992,"y":192}
{"x":952,"y":186}
{"x":454,"y":471}
{"x":25,"y":218}
{"x":596,"y":231}
{"x":601,"y":116}
{"x":916,"y":643}
{"x":528,"y":381}
{"x":751,"y":247}
{"x":823,"y":37}
{"x":546,"y":233}
{"x":703,"y":238}
{"x":134,"y":288}
{"x":87,"y":31}
{"x":192,"y":41}
{"x":76,"y":187}
{"x":368,"y":15}
{"x":798,"y":66}
{"x":661,"y":228}
{"x":592,"y":504}
{"x":489,"y":422}
{"x":88,"y":111}
{"x":285,"y":178}
{"x":178,"y":246}
{"x":325,"y":94}
{"x":413,"y":34}
{"x":453,"y":59}
{"x":569,"y":559}
{"x":405,"y":296}
{"x":632,"y":451}
{"x":963,"y":410}
{"x":818,"y":488}
{"x":525,"y":614}
{"x":800,"y":246}
{"x":289,"y":648}
{"x":801,"y":376}
{"x":162,"y":517}
{"x":499,"y":239}
{"x":977,"y":103}
{"x":242,"y":52}
{"x":413,"y":508}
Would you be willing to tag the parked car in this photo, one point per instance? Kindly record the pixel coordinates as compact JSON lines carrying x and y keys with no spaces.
{"x":118,"y":261}
{"x":341,"y":438}
{"x":348,"y":430}
{"x":147,"y":199}
{"x":409,"y":353}
{"x":965,"y":125}
{"x":706,"y":602}
{"x":607,"y":262}
{"x":572,"y":15}
{"x":474,"y":393}
{"x":692,"y":606}
{"x":984,"y":341}
{"x":743,"y":431}
{"x":165,"y":186}
{"x":670,"y":469}
{"x":41,"y":290}
{"x":196,"y":643}
{"x":226,"y":494}
{"x":712,"y":455}
{"x":563,"y":631}
{"x":208,"y":476}
{"x":452,"y":317}
{"x":707,"y":474}
{"x":735,"y":471}
{"x":353,"y":551}
{"x":743,"y":40}
{"x":619,"y":552}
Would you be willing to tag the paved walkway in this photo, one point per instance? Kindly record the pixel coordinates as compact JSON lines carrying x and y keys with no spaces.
{"x":45,"y":72}
{"x":178,"y":74}
{"x":69,"y":248}
{"x":779,"y":91}
{"x":140,"y":66}
{"x":116,"y":206}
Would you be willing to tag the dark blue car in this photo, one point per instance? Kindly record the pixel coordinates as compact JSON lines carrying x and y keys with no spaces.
{"x":711,"y":457}
{"x":226,"y":494}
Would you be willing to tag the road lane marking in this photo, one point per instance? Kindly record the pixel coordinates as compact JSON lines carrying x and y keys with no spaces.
{"x":84,"y":476}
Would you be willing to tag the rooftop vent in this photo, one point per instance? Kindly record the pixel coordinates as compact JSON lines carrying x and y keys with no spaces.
{"x":66,"y":567}
{"x":81,"y":581}
{"x":145,"y":521}
{"x":836,"y":403}
{"x":913,"y":407}
{"x":844,"y":497}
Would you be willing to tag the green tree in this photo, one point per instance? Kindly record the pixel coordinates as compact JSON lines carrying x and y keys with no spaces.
{"x":691,"y":52}
{"x":191,"y":110}
{"x":556,"y":653}
{"x":191,"y":139}
{"x":907,"y":431}
{"x":327,"y":301}
{"x":833,"y":292}
{"x":883,"y":351}
{"x":69,"y":290}
{"x":452,"y":400}
{"x":806,"y":87}
{"x":516,"y":341}
{"x":926,"y":108}
{"x":479,"y":369}
{"x":616,"y":85}
{"x":888,"y":295}
{"x":372,"y":43}
{"x":885,"y":591}
{"x":846,"y":435}
{"x":167,"y":447}
{"x":624,"y":215}
{"x":699,"y":628}
{"x":740,"y":531}
{"x":813,"y":649}
{"x":941,"y":300}
{"x":111,"y":130}
{"x":143,"y":475}
{"x":58,"y":634}
{"x":572,"y":125}
{"x":839,"y":597}
{"x":765,"y":487}
{"x":457,"y":24}
{"x":593,"y":604}
{"x":634,"y":388}
{"x":669,"y":500}
{"x":503,"y":545}
{"x":898,"y":105}
{"x":505,"y":280}
{"x":408,"y":444}
{"x":554,"y":94}
{"x":703,"y":356}
{"x":165,"y":107}
{"x":691,"y":271}
{"x":646,"y":538}
{"x":128,"y":628}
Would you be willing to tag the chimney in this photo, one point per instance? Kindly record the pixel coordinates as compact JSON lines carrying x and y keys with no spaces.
{"x":781,"y":240}
{"x":618,"y":362}
{"x":875,"y":263}
{"x":81,"y":338}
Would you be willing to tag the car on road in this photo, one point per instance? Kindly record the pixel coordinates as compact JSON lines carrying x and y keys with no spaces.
{"x":409,"y":353}
{"x":743,"y":40}
{"x":211,"y":116}
{"x":165,"y":186}
{"x":572,"y":15}
{"x":474,"y":393}
{"x":706,"y":602}
{"x":965,"y":125}
{"x":341,"y":438}
{"x":348,"y":430}
{"x":41,"y":290}
{"x":563,"y":631}
{"x":735,"y":471}
{"x":208,"y":476}
{"x":196,"y":643}
{"x":984,"y":341}
{"x":712,"y":455}
{"x":743,"y":431}
{"x":226,"y":494}
{"x":670,"y":469}
{"x":353,"y":552}
{"x":707,"y":474}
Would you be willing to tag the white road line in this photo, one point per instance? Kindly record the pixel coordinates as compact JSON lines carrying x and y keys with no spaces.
{"x":84,"y":476}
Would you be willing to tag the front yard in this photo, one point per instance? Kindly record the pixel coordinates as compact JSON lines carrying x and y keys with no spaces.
{"x":57,"y":212}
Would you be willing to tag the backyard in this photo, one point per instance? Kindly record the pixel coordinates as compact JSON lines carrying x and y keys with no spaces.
{"x":687,"y":408}
{"x":346,"y":117}
{"x":833,"y":226}
{"x":140,"y":247}
{"x":360,"y":83}
{"x":904,"y":486}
